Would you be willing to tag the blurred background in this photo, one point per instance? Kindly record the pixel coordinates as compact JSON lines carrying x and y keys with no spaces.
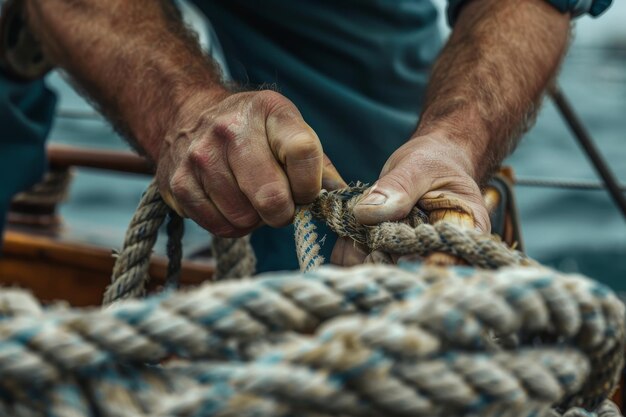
{"x":572,"y":230}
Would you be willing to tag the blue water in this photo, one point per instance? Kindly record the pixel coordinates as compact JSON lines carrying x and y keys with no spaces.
{"x":570,"y":230}
{"x":578,"y":230}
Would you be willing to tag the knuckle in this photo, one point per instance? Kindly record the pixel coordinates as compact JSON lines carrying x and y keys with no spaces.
{"x":467,"y":188}
{"x":274,"y":202}
{"x":179,"y":185}
{"x":278,"y":108}
{"x":481,"y":217}
{"x":271,"y":199}
{"x":273,"y":100}
{"x":205,"y":158}
{"x":226,"y":128}
{"x":304,"y":147}
{"x":242,"y":219}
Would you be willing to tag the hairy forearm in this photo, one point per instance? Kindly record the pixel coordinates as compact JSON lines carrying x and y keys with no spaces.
{"x":491,"y":75}
{"x":134,"y":59}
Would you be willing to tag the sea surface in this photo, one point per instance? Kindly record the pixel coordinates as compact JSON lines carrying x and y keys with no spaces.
{"x":572,"y":230}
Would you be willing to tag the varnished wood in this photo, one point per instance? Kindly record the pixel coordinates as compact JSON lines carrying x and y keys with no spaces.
{"x":61,"y":156}
{"x":54,"y":269}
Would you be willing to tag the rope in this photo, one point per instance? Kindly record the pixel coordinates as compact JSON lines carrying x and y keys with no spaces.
{"x":235,"y":258}
{"x":130,"y":273}
{"x":369,"y":341}
{"x":385,"y":342}
{"x":307,"y":247}
{"x":413,"y":235}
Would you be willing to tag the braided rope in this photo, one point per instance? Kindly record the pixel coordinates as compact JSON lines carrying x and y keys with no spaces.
{"x":413,"y":235}
{"x":130,"y":273}
{"x":420,"y":350}
{"x":367,"y":341}
{"x":307,"y":247}
{"x":235,"y":258}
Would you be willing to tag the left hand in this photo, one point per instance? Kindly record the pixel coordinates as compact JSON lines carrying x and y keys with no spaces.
{"x":431,"y":171}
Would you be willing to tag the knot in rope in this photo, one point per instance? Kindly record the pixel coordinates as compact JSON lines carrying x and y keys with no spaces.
{"x":412,"y":235}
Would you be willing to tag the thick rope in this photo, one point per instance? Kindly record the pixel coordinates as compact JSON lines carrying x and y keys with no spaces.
{"x":412,"y":236}
{"x":130,"y":273}
{"x":307,"y":246}
{"x":369,"y":341}
{"x":417,"y":347}
{"x":235,"y":258}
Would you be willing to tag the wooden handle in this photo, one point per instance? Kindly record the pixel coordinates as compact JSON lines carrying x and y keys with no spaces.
{"x":491,"y":197}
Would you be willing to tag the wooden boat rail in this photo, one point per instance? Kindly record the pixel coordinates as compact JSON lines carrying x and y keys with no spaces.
{"x":54,"y":266}
{"x":64,"y":157}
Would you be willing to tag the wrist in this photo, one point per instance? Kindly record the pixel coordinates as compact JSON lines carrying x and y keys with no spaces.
{"x":449,"y":146}
{"x":465,"y":137}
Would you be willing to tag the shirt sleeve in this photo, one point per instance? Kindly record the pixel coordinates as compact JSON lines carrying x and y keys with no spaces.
{"x":575,"y":7}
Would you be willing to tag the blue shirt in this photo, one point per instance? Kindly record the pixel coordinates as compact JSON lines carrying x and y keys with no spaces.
{"x":356,"y":69}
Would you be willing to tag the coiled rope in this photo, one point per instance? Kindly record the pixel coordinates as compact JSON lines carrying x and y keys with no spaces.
{"x":373,"y":340}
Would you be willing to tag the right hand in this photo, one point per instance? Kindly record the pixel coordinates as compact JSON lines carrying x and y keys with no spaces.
{"x":244,"y":161}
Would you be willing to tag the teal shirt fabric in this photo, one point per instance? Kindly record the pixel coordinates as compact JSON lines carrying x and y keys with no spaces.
{"x":26,"y":110}
{"x":356,"y":69}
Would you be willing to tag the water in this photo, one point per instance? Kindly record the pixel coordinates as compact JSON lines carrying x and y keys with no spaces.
{"x":578,"y":230}
{"x":570,"y":230}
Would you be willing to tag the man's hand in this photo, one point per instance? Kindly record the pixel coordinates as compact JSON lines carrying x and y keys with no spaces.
{"x":485,"y":86}
{"x":247,"y":160}
{"x":428,"y":171}
{"x":229,"y":161}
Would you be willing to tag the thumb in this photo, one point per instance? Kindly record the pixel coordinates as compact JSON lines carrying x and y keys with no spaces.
{"x":391,"y":198}
{"x":331,"y":179}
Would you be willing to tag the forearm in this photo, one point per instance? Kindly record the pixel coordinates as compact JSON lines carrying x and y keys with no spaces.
{"x":134,"y":59}
{"x":490,"y":77}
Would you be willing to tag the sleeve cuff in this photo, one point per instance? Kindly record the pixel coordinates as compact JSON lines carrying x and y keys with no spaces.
{"x":581,"y":7}
{"x":575,"y":7}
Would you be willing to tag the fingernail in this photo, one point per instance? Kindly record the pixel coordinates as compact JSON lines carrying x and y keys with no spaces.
{"x":373,"y":199}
